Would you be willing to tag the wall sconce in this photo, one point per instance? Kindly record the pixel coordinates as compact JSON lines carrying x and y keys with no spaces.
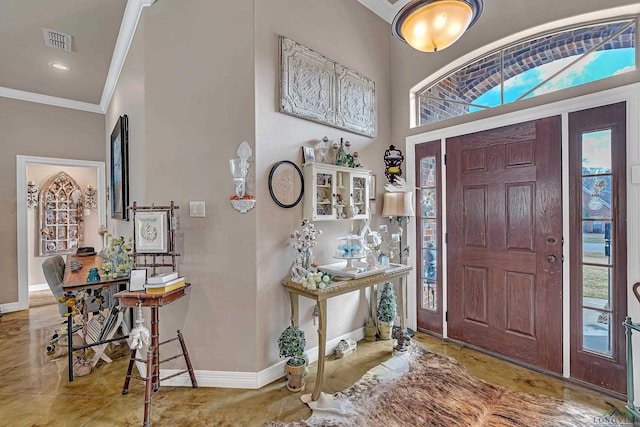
{"x":239,"y":168}
{"x":32,"y":194}
{"x":90,"y":196}
{"x":393,"y":161}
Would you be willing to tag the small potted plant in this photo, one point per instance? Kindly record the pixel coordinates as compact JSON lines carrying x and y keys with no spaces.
{"x":291,"y":344}
{"x":386,"y":311}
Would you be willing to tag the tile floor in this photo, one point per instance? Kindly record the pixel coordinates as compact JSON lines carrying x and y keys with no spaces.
{"x":34,"y":390}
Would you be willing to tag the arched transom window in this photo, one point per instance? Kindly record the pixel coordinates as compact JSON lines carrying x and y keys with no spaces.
{"x":531,"y":67}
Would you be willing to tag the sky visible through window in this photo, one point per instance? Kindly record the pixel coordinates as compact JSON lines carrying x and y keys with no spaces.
{"x":598,"y":65}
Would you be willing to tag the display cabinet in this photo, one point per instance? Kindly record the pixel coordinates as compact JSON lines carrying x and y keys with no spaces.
{"x":335,"y":192}
{"x":61,"y":210}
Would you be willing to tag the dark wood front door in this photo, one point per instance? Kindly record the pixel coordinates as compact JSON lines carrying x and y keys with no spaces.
{"x":504,"y":229}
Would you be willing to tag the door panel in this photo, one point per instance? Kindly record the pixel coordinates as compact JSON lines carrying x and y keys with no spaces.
{"x":597,"y":158}
{"x":504,"y":216}
{"x":428,"y":227}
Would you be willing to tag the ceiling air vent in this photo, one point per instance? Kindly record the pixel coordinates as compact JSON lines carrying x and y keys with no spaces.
{"x":57,"y":39}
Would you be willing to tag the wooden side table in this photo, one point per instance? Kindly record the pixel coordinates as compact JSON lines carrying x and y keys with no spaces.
{"x":152,"y":379}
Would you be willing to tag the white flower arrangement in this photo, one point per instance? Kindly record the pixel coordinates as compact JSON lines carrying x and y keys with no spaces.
{"x":316,"y":280}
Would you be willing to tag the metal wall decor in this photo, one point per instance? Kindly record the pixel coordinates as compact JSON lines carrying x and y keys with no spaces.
{"x":393,"y":163}
{"x":32,"y":194}
{"x":90,"y":197}
{"x":316,"y":88}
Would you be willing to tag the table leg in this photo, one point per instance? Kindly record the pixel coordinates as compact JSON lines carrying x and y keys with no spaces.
{"x":401,"y":308}
{"x":70,"y":344}
{"x":149,"y":384}
{"x":155,"y":343}
{"x":322,"y":344}
{"x":293,"y":299}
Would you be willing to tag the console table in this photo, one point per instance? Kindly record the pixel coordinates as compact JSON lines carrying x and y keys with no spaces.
{"x":336,"y":288}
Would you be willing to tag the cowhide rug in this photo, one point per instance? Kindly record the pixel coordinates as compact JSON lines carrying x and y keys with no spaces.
{"x":420,"y":388}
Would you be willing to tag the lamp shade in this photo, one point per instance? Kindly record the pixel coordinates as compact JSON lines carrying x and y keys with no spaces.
{"x":397,"y":204}
{"x":432,"y":25}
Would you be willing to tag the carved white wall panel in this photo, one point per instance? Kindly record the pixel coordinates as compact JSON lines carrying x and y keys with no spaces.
{"x":356,"y":102}
{"x":307,"y":83}
{"x":316,"y":88}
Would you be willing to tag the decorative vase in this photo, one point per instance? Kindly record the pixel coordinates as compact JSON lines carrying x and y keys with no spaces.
{"x":370,"y":331}
{"x":295,"y":377}
{"x":384,"y":329}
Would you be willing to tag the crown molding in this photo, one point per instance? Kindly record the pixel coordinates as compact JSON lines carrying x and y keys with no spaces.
{"x":49,"y":100}
{"x":130,"y":20}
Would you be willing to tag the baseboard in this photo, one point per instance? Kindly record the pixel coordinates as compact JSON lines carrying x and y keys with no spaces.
{"x":40,"y":287}
{"x":244,"y":380}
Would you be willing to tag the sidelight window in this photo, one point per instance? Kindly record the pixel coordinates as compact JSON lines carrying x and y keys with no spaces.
{"x":597,"y":237}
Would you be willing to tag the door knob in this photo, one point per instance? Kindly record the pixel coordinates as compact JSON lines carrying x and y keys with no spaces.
{"x":551,"y":258}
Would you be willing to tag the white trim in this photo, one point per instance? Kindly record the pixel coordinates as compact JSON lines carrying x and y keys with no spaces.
{"x":528,"y":33}
{"x":566,"y":266}
{"x":633,"y":226}
{"x":49,"y":100}
{"x":21,"y":214}
{"x":245,"y":380}
{"x":40,"y":287}
{"x":130,"y":20}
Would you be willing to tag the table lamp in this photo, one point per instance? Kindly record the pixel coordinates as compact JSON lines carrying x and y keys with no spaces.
{"x":398,"y":206}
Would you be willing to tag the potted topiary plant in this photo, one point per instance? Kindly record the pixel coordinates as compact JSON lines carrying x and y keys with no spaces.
{"x":291,"y":344}
{"x":386,"y":311}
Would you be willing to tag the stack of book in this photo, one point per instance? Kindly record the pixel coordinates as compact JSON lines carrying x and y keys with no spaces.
{"x":163,"y":283}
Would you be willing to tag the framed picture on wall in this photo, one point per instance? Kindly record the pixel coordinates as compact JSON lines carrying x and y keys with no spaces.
{"x":119,"y":183}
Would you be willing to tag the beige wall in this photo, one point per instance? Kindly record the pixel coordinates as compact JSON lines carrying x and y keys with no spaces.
{"x":40,"y":173}
{"x":188,"y":90}
{"x":353,"y":36}
{"x":212,"y":87}
{"x":37,"y":130}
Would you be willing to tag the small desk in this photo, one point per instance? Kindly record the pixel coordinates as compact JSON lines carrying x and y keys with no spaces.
{"x":152,"y":380}
{"x":77,"y":281}
{"x":337,"y":288}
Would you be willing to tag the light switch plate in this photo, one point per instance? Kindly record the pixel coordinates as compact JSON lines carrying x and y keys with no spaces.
{"x":635,"y":174}
{"x":197,"y":209}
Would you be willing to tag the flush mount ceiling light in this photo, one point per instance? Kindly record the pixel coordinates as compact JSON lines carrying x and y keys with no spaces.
{"x":432,"y":25}
{"x":59,"y":66}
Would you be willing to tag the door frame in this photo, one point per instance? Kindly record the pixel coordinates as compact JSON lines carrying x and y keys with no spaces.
{"x":631,"y":95}
{"x":21,"y":213}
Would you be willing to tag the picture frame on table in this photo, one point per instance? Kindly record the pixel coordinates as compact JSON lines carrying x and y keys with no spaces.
{"x":152,"y":231}
{"x":308,"y":155}
{"x":137,"y":280}
{"x":119,"y":179}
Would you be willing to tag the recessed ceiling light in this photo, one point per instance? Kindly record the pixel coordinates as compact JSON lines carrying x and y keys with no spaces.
{"x":59,"y":66}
